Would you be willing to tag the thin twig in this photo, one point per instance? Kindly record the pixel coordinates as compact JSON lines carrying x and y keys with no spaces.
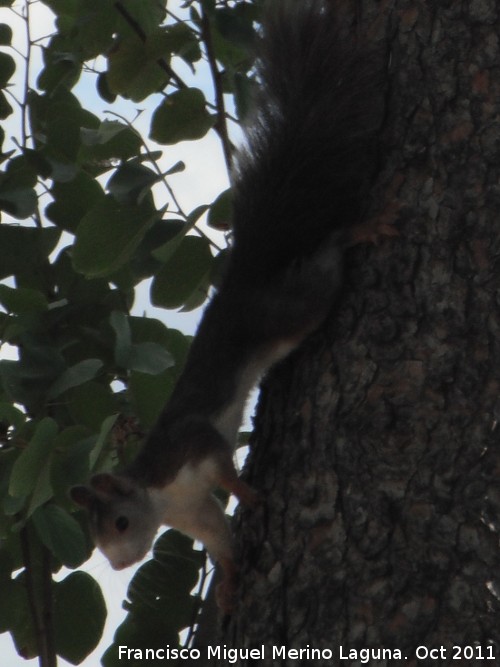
{"x":167,"y":185}
{"x":47,"y":607}
{"x":221,"y":124}
{"x":197,"y":607}
{"x":176,"y":18}
{"x":143,"y":37}
{"x":27,"y":58}
{"x":23,"y":104}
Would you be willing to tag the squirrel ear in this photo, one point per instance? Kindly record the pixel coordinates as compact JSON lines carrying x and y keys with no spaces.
{"x":111,"y":485}
{"x":81,"y":495}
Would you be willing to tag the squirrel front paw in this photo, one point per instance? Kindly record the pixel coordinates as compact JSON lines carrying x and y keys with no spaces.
{"x":246,"y":495}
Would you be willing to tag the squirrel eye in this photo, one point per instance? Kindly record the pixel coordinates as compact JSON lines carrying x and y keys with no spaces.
{"x":121,"y":524}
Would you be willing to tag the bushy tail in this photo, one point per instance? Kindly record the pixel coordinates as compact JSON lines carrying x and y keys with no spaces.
{"x":311,"y":143}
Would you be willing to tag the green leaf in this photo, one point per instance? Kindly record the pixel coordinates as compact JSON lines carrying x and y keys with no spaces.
{"x":103,"y":88}
{"x":182,"y":116}
{"x":106,"y":429}
{"x":244,"y":94}
{"x":148,"y":394}
{"x":95,"y":22}
{"x":27,"y":248}
{"x":12,"y":601}
{"x":143,"y":633}
{"x":111,"y":139}
{"x":22,"y":300}
{"x":63,"y":7}
{"x":37,"y":163}
{"x":174,"y":569}
{"x":74,"y":376}
{"x":146,"y":328}
{"x":12,"y":415}
{"x":123,"y":345}
{"x":21,"y":626}
{"x":82,"y":293}
{"x":31,"y":461}
{"x":131,"y":182}
{"x":43,"y":490}
{"x":229,"y":54}
{"x":78,"y":598}
{"x":5,"y":107}
{"x":133,"y":70}
{"x":198,"y":296}
{"x":196,"y":214}
{"x":12,"y":506}
{"x":25,"y":381}
{"x":7,"y":68}
{"x":173,"y":544}
{"x":177,"y":168}
{"x":61,"y":171}
{"x":106,"y":132}
{"x":91,"y":403}
{"x":39,"y":362}
{"x":108,"y":235}
{"x":208,"y":6}
{"x":61,"y":534}
{"x":148,"y":14}
{"x":21,"y":171}
{"x":20,"y":203}
{"x":70,"y":461}
{"x":183,"y":274}
{"x":63,"y":130}
{"x":219,"y":267}
{"x":160,"y":603}
{"x":175,"y":231}
{"x":236,"y":24}
{"x":5,"y":34}
{"x":221,"y":211}
{"x":182,"y":40}
{"x":62,"y":66}
{"x":72,"y":200}
{"x":149,"y":358}
{"x":144,"y":263}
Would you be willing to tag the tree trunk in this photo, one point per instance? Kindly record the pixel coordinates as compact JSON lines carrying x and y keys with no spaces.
{"x":375,"y":445}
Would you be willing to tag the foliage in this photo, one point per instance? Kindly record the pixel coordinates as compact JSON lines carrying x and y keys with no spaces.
{"x":89,"y":213}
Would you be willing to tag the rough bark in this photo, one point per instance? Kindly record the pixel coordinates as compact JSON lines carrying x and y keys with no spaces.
{"x":376,"y":444}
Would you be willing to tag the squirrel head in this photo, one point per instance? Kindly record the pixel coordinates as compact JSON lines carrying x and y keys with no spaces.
{"x":123,"y":521}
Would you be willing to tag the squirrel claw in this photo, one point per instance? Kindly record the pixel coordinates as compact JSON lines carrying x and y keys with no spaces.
{"x":225,"y":596}
{"x":225,"y":592}
{"x":246,"y":494}
{"x":372,"y":232}
{"x":376,"y":228}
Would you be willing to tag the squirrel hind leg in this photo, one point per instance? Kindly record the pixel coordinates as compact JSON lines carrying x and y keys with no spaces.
{"x":226,"y":590}
{"x":231,"y":482}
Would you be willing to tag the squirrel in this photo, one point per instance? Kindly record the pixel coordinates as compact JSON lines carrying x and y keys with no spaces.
{"x":301,"y":182}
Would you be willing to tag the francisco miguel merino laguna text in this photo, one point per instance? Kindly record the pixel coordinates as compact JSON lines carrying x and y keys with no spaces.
{"x":232,"y":655}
